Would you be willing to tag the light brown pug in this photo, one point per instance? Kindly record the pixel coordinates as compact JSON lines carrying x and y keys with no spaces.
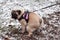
{"x":32,"y":23}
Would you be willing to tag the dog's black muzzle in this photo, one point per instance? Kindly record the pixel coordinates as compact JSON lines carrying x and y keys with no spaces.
{"x":14,"y":16}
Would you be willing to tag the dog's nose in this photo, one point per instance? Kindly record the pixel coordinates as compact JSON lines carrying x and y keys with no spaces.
{"x":9,"y":25}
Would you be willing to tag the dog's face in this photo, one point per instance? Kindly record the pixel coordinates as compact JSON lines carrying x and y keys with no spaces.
{"x":15,"y":13}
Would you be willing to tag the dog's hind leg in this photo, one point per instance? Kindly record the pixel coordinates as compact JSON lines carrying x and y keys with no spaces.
{"x":30,"y":30}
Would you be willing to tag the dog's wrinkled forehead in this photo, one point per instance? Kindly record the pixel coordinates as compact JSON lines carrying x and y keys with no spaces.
{"x":16,"y":12}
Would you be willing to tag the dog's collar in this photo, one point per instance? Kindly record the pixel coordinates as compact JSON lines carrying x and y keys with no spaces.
{"x":25,"y":16}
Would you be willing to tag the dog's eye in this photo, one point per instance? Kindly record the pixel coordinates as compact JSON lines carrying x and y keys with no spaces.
{"x":19,"y":12}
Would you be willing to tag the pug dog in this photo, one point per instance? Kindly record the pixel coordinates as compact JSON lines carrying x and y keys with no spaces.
{"x":30,"y":21}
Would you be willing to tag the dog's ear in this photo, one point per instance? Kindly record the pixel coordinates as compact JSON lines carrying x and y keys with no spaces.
{"x":19,"y":12}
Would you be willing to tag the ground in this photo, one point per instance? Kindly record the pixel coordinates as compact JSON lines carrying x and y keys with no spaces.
{"x":51,"y":31}
{"x":48,"y":9}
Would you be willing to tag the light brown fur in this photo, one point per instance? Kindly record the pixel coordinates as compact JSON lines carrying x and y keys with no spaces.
{"x":33,"y":24}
